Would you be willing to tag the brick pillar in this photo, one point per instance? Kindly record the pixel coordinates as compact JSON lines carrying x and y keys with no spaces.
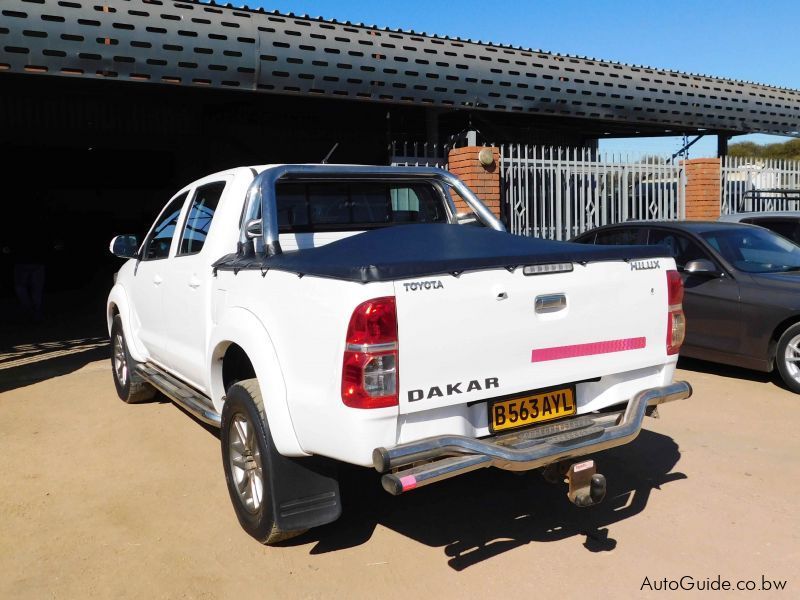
{"x":484,"y":181}
{"x":702,"y":189}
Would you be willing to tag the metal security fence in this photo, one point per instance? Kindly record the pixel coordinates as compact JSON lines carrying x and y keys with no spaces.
{"x":418,"y":154}
{"x":756,"y":184}
{"x":558,"y":193}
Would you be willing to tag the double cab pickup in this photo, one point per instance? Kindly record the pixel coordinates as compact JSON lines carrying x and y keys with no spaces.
{"x":326,"y":314}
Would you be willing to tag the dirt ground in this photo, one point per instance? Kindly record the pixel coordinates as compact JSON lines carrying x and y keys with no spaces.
{"x":102,"y":499}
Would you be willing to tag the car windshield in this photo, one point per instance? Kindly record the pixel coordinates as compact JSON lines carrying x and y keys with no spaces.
{"x":755,"y":250}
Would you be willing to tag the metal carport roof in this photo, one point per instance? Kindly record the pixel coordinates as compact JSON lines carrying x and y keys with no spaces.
{"x":188,"y":43}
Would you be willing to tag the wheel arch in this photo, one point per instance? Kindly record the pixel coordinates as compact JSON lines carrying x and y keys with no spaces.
{"x":240,"y":339}
{"x":776,"y":336}
{"x":236,"y":365}
{"x":112,"y":312}
{"x":118,"y":304}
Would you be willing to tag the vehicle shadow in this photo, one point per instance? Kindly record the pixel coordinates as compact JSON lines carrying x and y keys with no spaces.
{"x":483,"y":514}
{"x":731,"y":372}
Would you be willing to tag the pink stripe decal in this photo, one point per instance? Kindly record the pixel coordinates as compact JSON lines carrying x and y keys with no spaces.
{"x":409,"y":482}
{"x":559,"y":352}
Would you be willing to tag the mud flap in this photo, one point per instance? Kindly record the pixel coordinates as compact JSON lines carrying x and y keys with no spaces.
{"x":305,"y":491}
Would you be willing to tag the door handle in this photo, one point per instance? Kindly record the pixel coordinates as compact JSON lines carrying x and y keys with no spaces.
{"x":550,"y":303}
{"x":157,"y":279}
{"x":194,"y":282}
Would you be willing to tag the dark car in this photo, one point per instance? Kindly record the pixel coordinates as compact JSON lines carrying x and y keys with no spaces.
{"x":742,"y":282}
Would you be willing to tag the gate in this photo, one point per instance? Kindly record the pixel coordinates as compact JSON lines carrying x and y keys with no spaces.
{"x":757,"y":184}
{"x":558,"y":193}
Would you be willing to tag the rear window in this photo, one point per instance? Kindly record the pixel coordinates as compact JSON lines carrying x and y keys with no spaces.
{"x":313,"y":207}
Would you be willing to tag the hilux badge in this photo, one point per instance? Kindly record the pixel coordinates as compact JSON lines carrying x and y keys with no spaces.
{"x":644,"y":265}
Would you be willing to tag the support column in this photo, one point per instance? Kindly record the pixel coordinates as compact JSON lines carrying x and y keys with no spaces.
{"x":432,"y":125}
{"x":483,"y":179}
{"x":702,"y":189}
{"x":722,"y":145}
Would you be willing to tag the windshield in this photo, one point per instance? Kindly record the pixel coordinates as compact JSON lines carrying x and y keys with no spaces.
{"x":755,"y":250}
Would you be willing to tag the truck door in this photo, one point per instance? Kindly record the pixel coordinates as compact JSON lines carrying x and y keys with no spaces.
{"x":150,"y":276}
{"x":187,"y":295}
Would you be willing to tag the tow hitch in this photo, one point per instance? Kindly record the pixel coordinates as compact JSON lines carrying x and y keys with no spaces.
{"x":586,"y":485}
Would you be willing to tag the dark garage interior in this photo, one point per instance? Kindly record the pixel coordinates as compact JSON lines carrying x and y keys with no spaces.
{"x":105,"y":156}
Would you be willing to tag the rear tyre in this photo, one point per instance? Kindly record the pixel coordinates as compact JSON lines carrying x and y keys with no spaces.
{"x":246,"y":448}
{"x":131,"y":388}
{"x":787,"y":357}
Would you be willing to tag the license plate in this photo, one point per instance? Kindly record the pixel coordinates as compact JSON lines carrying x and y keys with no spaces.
{"x":531,"y":408}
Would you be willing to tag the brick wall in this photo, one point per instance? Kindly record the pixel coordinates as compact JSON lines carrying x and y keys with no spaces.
{"x":702,"y":189}
{"x":484,"y":181}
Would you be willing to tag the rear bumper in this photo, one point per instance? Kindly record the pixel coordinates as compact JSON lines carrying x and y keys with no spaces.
{"x":450,"y":455}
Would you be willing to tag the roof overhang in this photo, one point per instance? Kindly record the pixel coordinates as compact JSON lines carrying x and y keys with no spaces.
{"x":187,"y":43}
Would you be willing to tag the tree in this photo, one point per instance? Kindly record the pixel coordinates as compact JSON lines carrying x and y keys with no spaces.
{"x":786,"y":150}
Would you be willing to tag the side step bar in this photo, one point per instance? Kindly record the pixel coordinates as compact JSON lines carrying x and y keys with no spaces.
{"x":181,"y":394}
{"x":449,"y":455}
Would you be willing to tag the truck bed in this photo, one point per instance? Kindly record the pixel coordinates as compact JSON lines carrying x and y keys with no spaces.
{"x":407,"y":251}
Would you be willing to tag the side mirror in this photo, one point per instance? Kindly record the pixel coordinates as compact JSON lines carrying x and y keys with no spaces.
{"x":125,"y":246}
{"x":702,"y":266}
{"x":253,"y":229}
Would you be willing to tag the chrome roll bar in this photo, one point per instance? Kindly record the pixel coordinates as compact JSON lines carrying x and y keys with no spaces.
{"x":261,"y":193}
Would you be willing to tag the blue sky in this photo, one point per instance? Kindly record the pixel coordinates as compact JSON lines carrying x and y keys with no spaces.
{"x":755,"y":41}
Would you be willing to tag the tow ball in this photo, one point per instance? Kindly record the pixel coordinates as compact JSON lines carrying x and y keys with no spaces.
{"x":586,"y":486}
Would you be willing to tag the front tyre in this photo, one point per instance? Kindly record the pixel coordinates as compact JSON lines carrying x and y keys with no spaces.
{"x":787,"y":357}
{"x":246,"y":448}
{"x":131,"y":388}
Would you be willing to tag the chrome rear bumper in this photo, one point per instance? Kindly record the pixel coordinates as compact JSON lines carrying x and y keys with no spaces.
{"x":449,"y":455}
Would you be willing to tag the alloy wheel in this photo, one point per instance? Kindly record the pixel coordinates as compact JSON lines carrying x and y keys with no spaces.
{"x":245,"y":462}
{"x":791,"y":358}
{"x":120,"y":360}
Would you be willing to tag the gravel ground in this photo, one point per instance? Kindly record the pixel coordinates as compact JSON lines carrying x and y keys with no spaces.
{"x":102,"y":499}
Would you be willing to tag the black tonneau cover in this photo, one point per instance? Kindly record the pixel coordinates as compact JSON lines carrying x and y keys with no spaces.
{"x":420,"y":250}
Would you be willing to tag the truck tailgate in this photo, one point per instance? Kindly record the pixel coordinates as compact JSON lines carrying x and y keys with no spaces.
{"x":480,"y":334}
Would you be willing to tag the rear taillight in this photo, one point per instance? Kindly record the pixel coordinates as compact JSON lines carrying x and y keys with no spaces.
{"x":369,"y":368}
{"x":676,"y":321}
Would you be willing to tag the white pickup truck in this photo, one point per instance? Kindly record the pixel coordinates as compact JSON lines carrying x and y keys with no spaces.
{"x":326,"y":313}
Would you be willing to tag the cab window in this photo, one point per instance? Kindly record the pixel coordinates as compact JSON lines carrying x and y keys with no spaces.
{"x":198,"y":221}
{"x":160,"y":239}
{"x":327,"y":206}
